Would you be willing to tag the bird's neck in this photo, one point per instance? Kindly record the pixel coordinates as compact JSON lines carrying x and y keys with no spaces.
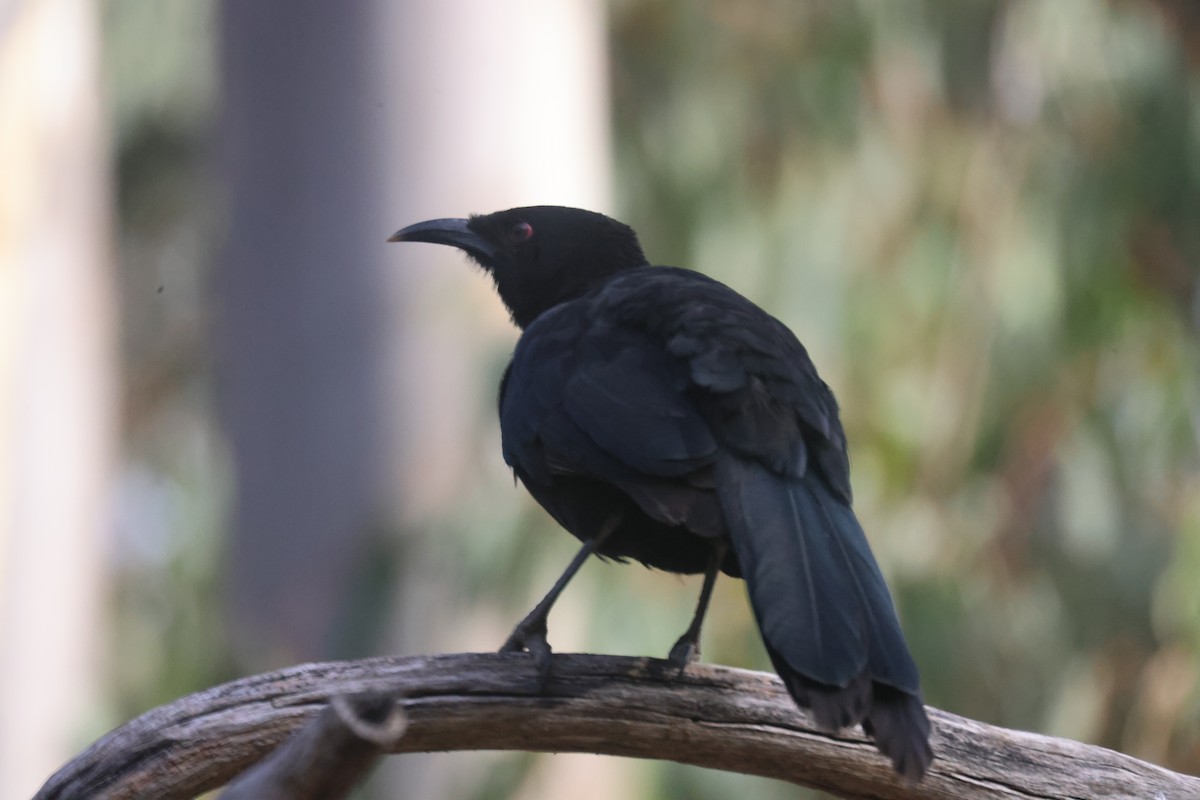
{"x":527,"y":297}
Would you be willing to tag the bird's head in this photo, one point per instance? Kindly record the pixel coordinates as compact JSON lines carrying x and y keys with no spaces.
{"x":538,"y":256}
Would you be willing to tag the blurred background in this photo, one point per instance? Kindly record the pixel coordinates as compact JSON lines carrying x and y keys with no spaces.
{"x":239,"y":431}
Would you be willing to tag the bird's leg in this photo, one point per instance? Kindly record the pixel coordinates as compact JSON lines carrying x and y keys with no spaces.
{"x":530,"y":633}
{"x":687,"y":649}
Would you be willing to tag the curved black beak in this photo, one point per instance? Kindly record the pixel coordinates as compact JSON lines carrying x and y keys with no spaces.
{"x":454,"y":232}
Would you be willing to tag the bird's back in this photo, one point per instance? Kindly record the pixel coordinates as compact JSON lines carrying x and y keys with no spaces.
{"x":671,"y":401}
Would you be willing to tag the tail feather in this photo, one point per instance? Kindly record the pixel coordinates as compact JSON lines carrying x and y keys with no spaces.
{"x":824,"y":611}
{"x":898,"y":723}
{"x":833,"y":707}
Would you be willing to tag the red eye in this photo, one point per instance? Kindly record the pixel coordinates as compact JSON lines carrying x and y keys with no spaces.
{"x":520,"y":232}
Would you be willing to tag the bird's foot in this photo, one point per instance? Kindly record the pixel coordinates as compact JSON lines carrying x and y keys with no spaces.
{"x":530,"y":636}
{"x":685,"y":651}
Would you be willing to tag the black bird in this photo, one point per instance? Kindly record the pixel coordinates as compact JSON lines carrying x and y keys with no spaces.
{"x":659,"y":415}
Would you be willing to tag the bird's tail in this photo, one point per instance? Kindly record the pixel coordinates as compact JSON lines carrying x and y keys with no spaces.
{"x":823,"y":608}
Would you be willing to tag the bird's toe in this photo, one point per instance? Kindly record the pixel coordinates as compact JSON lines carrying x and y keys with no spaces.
{"x":685,"y":651}
{"x":530,"y":637}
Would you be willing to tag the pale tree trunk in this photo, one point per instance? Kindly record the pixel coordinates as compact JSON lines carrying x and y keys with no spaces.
{"x":349,"y":395}
{"x":58,"y":375}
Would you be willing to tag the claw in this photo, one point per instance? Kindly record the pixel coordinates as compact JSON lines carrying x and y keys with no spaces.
{"x":687,"y":648}
{"x":685,"y":651}
{"x":530,"y":636}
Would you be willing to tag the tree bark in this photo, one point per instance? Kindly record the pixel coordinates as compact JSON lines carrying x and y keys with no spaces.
{"x":329,"y":755}
{"x":710,"y":716}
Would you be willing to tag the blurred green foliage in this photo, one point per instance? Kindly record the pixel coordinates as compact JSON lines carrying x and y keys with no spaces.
{"x":982,"y":217}
{"x":173,"y":486}
{"x":984,"y":220}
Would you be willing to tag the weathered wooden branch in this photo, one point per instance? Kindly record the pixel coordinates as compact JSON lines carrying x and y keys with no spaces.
{"x":710,"y":716}
{"x":329,"y":755}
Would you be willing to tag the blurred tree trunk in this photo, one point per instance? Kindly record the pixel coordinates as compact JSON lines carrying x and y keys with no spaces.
{"x":348,"y":400}
{"x":58,"y":401}
{"x":299,"y":306}
{"x":1184,"y":17}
